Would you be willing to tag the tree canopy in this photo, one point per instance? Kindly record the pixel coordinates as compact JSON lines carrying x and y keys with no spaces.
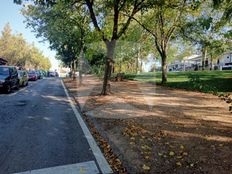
{"x":15,"y":49}
{"x":130,"y":30}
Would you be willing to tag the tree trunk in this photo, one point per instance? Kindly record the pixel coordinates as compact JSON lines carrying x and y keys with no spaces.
{"x":137,"y":63}
{"x":120,"y":66}
{"x":81,"y":61}
{"x":164,"y":67}
{"x":113,"y":68}
{"x":211,"y":62}
{"x":110,"y":45}
{"x":141,"y":66}
{"x":204,"y":55}
{"x":184,"y":66}
{"x":73,"y":70}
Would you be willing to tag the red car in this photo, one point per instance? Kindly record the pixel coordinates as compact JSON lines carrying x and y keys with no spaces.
{"x":32,"y":75}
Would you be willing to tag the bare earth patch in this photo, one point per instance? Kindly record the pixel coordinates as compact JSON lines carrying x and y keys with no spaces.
{"x":154,"y":129}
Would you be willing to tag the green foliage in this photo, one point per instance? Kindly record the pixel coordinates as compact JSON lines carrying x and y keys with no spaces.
{"x":202,"y":29}
{"x":97,"y":63}
{"x":18,"y":52}
{"x":132,"y":49}
{"x":96,"y":57}
{"x":161,"y":22}
{"x":68,"y":25}
{"x":226,"y":6}
{"x":64,"y":25}
{"x":195,"y":83}
{"x":98,"y":70}
{"x":204,"y":81}
{"x":179,"y":49}
{"x":194,"y":78}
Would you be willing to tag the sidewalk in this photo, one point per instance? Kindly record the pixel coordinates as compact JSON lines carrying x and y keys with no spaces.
{"x":158,"y":130}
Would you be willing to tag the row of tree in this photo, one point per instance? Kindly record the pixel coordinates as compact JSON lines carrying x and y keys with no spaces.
{"x":127,"y":30}
{"x":15,"y":49}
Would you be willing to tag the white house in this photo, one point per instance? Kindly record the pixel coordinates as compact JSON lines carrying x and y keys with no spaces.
{"x":194,"y":62}
{"x":188,"y":63}
{"x":176,"y":65}
{"x":225,"y":61}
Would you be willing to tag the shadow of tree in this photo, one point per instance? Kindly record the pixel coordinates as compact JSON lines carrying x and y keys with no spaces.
{"x":171,"y":118}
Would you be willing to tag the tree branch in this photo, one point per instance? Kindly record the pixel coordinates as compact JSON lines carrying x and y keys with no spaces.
{"x":116,"y":15}
{"x":89,"y":4}
{"x":151,"y":32}
{"x":137,"y":7}
{"x":122,"y":5}
{"x":173,"y":27}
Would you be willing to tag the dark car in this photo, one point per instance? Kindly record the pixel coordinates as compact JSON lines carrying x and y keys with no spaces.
{"x":8,"y":78}
{"x":32,"y":75}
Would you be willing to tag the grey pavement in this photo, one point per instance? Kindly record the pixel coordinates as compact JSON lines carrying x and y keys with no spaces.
{"x":38,"y":129}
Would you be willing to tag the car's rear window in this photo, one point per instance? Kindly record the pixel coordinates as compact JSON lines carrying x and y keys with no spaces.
{"x":32,"y":72}
{"x":4,"y":71}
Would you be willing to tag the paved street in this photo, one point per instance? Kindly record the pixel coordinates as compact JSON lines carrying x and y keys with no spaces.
{"x":38,"y":129}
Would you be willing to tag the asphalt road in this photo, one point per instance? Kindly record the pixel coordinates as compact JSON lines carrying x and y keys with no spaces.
{"x":38,"y":129}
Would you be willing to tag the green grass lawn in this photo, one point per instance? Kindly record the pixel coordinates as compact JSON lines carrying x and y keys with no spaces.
{"x":204,"y":81}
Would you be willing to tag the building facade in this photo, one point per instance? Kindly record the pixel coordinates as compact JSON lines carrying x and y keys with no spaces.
{"x":194,"y":62}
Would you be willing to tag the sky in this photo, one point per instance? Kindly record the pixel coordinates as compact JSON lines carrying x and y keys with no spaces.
{"x":10,"y":13}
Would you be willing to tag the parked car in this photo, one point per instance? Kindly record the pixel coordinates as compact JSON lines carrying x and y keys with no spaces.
{"x":45,"y":73}
{"x":23,"y":78}
{"x":39,"y":74}
{"x":8,"y":78}
{"x":32,"y":75}
{"x":51,"y":74}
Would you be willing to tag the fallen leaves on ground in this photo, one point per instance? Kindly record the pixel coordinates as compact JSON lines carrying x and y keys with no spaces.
{"x":154,"y":133}
{"x":145,"y":167}
{"x":171,"y":153}
{"x":113,"y":160}
{"x":153,"y":145}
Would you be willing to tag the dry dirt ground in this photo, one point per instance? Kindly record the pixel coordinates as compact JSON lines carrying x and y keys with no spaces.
{"x":153,"y":129}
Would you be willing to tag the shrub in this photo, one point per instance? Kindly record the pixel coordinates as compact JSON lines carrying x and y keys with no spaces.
{"x":197,"y":84}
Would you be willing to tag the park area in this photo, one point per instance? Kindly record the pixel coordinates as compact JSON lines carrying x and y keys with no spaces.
{"x":204,"y":81}
{"x":152,"y":80}
{"x":147,"y":128}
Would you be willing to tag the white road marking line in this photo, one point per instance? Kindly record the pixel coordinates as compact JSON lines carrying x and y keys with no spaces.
{"x":103,"y":164}
{"x":79,"y":168}
{"x":23,"y":89}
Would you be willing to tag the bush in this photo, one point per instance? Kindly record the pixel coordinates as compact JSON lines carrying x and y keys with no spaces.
{"x":194,"y":78}
{"x":98,"y":70}
{"x":197,"y":84}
